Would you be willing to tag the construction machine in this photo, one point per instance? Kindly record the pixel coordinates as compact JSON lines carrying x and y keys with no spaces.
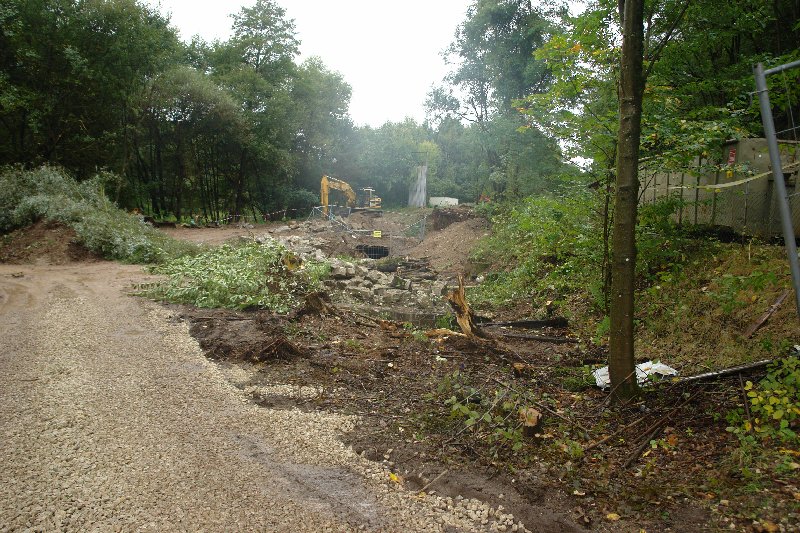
{"x":366,"y":199}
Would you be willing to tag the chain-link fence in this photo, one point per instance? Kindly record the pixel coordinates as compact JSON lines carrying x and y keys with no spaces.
{"x":739,"y":194}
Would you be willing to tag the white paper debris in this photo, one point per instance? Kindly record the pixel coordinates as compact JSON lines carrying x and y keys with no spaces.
{"x":643,"y":373}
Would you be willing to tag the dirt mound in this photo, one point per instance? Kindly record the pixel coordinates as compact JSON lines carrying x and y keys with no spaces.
{"x":43,"y":243}
{"x":449,"y":249}
{"x":441,"y":218}
{"x":227,"y":335}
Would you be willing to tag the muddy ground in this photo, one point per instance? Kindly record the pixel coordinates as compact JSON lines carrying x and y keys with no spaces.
{"x":665,"y":463}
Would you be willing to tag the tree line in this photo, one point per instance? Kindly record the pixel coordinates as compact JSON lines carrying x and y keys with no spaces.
{"x":228,"y":127}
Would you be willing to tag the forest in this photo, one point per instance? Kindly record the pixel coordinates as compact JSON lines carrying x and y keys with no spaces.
{"x":241,"y":127}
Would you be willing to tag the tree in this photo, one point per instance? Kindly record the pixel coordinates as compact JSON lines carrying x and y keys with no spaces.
{"x":70,"y":75}
{"x":321,"y":123}
{"x":621,"y":363}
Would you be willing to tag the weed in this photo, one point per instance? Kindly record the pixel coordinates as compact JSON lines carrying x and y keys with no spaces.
{"x":774,"y":407}
{"x":445,"y":321}
{"x":493,"y":416}
{"x":354,"y":345}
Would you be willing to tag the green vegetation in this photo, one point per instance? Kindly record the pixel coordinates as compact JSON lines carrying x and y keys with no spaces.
{"x":491,"y":415}
{"x":50,"y":193}
{"x":774,"y":405}
{"x":250,"y":275}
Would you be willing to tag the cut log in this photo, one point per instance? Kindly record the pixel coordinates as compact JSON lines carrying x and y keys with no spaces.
{"x":316,"y":303}
{"x":466,"y":320}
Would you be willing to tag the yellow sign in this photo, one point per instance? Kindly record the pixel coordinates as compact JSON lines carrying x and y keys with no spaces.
{"x":376,"y":233}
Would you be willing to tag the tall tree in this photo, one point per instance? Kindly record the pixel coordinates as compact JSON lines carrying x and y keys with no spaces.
{"x":70,"y":74}
{"x":622,"y":367}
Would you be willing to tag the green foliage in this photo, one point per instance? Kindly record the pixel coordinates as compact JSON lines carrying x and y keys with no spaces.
{"x":663,"y":246}
{"x":446,"y":321}
{"x":490,"y":415}
{"x":729,"y":289}
{"x":50,"y":193}
{"x":552,"y":243}
{"x":774,"y":404}
{"x":416,"y":333}
{"x":244,"y":276}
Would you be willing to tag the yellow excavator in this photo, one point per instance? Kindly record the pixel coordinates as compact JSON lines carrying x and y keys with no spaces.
{"x":367,"y":198}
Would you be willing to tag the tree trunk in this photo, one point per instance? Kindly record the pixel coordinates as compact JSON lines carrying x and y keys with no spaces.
{"x":623,"y":268}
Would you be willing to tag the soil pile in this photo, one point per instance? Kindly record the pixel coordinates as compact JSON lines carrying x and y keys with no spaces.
{"x":43,"y":243}
{"x":449,"y":249}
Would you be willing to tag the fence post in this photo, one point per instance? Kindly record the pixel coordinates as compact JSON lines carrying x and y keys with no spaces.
{"x":777,"y":172}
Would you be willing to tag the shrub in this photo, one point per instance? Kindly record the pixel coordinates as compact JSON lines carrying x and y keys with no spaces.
{"x":50,"y":193}
{"x":773,"y":405}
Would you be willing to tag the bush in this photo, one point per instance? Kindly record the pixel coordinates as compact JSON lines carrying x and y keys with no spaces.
{"x":774,"y":403}
{"x":50,"y":193}
{"x":552,"y":243}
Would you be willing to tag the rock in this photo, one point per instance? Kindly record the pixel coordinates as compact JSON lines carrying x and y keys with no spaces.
{"x":339,"y":272}
{"x":400,"y":283}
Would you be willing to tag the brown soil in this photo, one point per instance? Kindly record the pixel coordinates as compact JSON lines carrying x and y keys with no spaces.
{"x":43,"y":243}
{"x":449,"y":249}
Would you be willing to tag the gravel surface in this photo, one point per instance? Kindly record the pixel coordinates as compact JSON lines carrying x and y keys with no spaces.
{"x":111,"y":419}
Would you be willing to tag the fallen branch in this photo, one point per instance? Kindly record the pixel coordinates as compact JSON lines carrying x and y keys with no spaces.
{"x":609,"y":437}
{"x":726,"y":371}
{"x":638,"y":451}
{"x":541,"y":338}
{"x":434,"y":480}
{"x":763,"y":318}
{"x":229,"y":318}
{"x":660,"y":422}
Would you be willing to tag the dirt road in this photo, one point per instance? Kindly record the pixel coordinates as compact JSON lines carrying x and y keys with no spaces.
{"x":112,"y":419}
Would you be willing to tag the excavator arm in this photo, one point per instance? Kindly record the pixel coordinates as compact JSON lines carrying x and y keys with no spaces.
{"x":329,"y":183}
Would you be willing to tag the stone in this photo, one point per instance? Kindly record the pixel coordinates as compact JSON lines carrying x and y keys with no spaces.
{"x":400,"y":283}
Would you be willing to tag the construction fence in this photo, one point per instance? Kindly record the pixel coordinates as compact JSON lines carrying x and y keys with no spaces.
{"x":739,"y":194}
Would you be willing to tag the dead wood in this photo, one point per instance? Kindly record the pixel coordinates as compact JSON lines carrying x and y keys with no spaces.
{"x":763,"y":318}
{"x":316,"y":303}
{"x":638,"y":451}
{"x":541,"y":338}
{"x":559,"y":322}
{"x":727,"y":371}
{"x":466,"y":320}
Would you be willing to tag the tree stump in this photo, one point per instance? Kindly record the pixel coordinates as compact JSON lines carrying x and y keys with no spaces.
{"x":458,"y":301}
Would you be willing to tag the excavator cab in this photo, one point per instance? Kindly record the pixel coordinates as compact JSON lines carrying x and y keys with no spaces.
{"x":368,"y":199}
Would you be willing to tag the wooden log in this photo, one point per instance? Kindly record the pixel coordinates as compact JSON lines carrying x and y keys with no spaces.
{"x":542,"y":338}
{"x":763,"y":318}
{"x":558,"y":322}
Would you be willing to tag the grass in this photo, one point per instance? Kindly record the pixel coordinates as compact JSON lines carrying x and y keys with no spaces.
{"x":695,"y":320}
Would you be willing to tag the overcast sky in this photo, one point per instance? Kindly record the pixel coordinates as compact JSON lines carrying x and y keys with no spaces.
{"x":388,"y":51}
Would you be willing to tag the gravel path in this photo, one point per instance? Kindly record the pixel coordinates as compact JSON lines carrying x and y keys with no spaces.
{"x":111,"y":419}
